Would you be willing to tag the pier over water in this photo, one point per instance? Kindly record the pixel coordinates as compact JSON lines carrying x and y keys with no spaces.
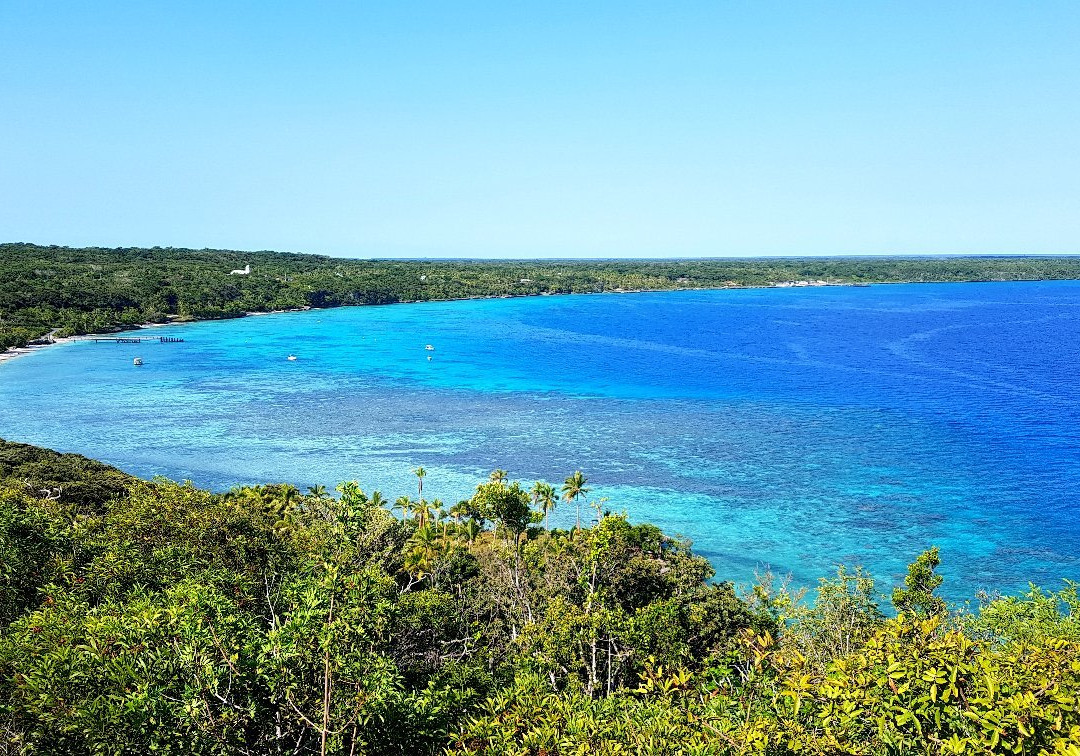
{"x":132,"y":339}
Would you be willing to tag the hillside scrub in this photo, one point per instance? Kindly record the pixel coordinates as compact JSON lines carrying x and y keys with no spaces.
{"x":140,"y":617}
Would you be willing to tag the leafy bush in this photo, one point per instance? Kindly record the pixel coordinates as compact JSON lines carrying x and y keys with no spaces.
{"x":145,"y":617}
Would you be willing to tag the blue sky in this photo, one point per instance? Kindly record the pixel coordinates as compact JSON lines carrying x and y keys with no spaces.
{"x":510,"y":129}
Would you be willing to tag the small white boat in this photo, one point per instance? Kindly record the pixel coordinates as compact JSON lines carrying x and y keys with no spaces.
{"x":291,"y":358}
{"x":430,"y":348}
{"x":429,"y":358}
{"x":137,"y":361}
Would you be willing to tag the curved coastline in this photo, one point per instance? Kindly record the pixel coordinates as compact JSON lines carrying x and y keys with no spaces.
{"x":49,"y":340}
{"x":711,"y":421}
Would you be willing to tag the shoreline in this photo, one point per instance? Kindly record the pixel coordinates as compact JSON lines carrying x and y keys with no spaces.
{"x":13,"y":353}
{"x":16,"y":352}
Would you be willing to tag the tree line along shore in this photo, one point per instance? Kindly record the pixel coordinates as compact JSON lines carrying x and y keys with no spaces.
{"x":63,"y":291}
{"x":153,"y":617}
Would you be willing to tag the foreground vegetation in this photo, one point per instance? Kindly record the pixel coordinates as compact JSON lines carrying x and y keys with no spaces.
{"x":140,"y":617}
{"x":75,"y":291}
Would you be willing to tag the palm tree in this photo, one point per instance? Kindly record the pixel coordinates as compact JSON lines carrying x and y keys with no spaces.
{"x":416,"y":564}
{"x":456,"y":512}
{"x":498,"y":476}
{"x":544,"y":499}
{"x":377,"y":499}
{"x":426,"y":549}
{"x":281,"y":505}
{"x":420,"y":473}
{"x":425,"y":538}
{"x":404,"y":504}
{"x":288,"y":494}
{"x":422,"y":510}
{"x":319,"y":492}
{"x":471,"y":529}
{"x":573,"y":489}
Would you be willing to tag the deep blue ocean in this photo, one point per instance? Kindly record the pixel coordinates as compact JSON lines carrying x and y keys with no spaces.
{"x":790,"y":428}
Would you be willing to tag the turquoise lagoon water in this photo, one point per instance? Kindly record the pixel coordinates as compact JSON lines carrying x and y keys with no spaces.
{"x":794,"y":428}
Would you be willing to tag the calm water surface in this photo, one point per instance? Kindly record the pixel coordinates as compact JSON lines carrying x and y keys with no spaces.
{"x":796,"y":428}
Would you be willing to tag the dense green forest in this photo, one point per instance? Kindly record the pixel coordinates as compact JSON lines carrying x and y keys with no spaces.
{"x":74,"y":291}
{"x":151,"y":617}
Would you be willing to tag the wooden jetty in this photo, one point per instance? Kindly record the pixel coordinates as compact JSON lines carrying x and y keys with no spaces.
{"x":132,"y":339}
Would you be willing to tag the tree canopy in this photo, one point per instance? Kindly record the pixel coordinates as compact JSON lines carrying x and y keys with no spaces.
{"x":89,"y":290}
{"x":140,"y":617}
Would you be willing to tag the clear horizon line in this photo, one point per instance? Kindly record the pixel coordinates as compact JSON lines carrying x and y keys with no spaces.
{"x":599,"y":258}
